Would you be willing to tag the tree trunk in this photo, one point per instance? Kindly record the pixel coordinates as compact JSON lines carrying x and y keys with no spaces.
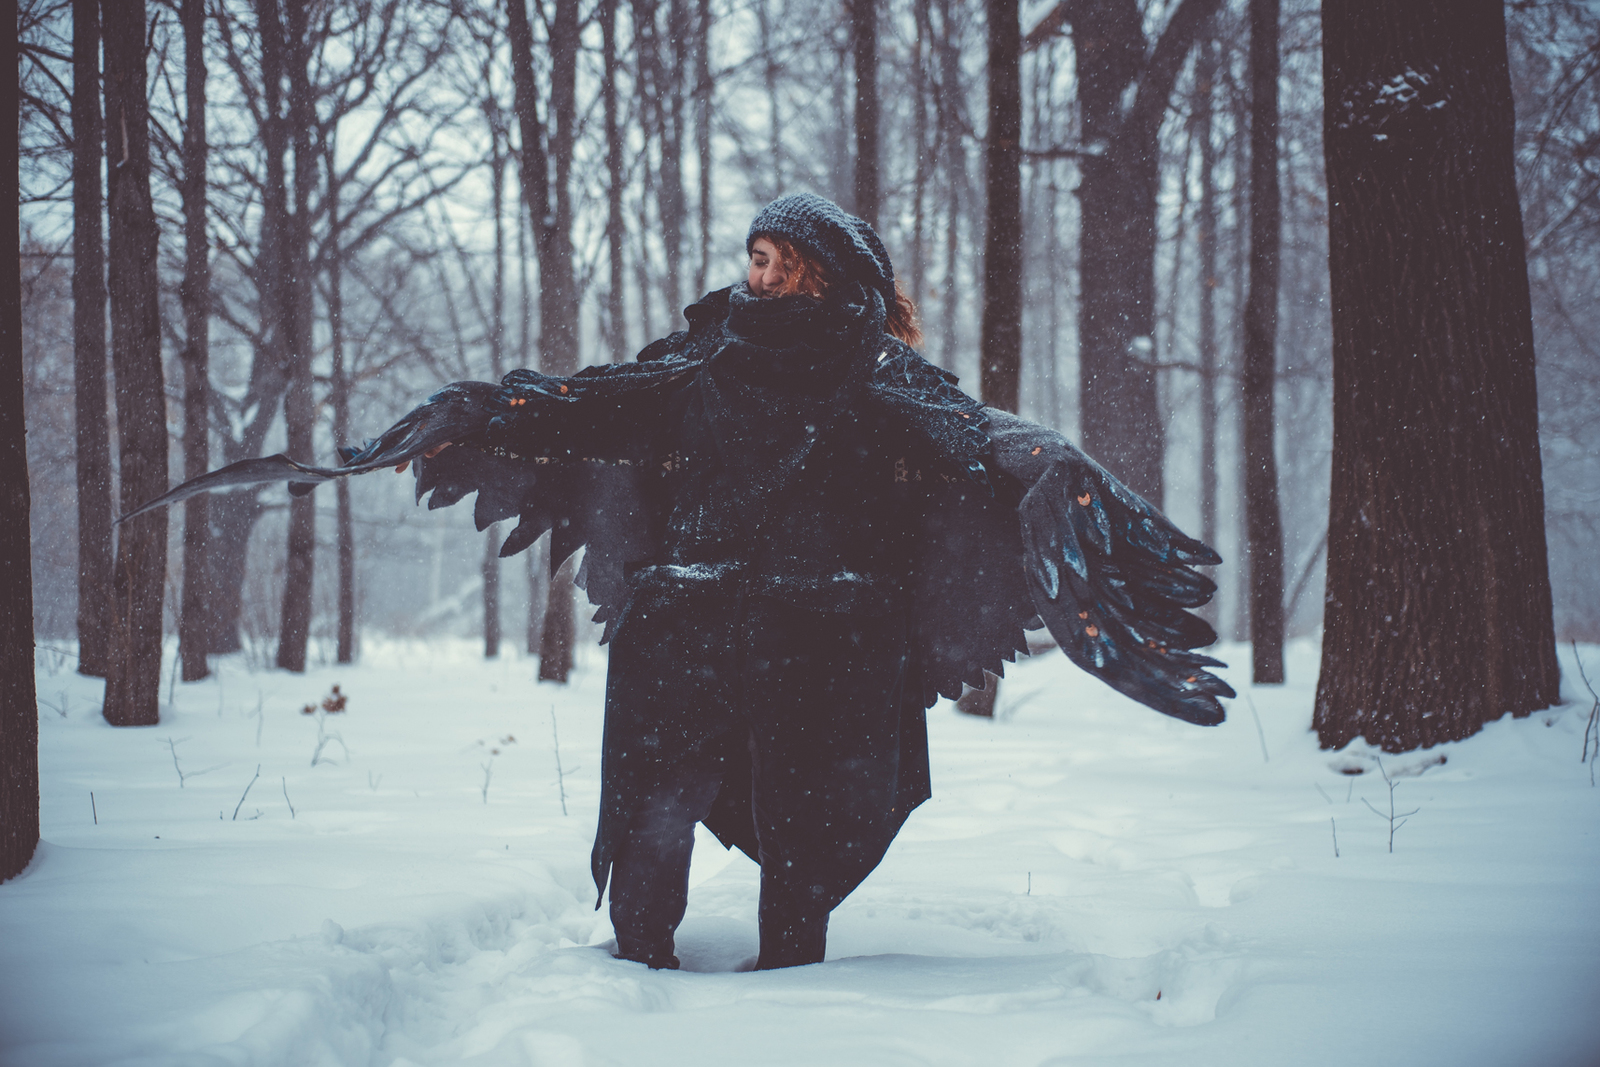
{"x":702,"y":138}
{"x":1002,"y":251}
{"x":133,"y":680}
{"x":1118,"y":396}
{"x":670,"y":190}
{"x":1119,"y":409}
{"x":864,"y":38}
{"x":299,"y":414}
{"x":555,"y":639}
{"x":616,"y":184}
{"x":491,"y":591}
{"x":1205,"y":108}
{"x":194,"y":626}
{"x":496,"y":333}
{"x":93,"y":429}
{"x":1262,"y":517}
{"x":550,"y":204}
{"x":339,"y":399}
{"x":1438,"y":611}
{"x":19,"y":710}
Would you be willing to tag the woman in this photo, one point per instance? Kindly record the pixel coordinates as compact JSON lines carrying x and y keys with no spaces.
{"x":799,"y":534}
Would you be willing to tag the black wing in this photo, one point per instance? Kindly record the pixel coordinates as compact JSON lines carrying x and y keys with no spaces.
{"x":1110,"y":575}
{"x":459,"y":412}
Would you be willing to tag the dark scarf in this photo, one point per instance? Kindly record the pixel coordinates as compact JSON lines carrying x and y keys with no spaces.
{"x":788,"y":369}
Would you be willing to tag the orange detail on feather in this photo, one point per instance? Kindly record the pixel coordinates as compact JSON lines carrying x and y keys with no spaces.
{"x":1036,"y":451}
{"x":1093,"y":631}
{"x":1083,"y":614}
{"x":1084,"y":499}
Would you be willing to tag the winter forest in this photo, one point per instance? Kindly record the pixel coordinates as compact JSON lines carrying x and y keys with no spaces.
{"x":1184,"y":233}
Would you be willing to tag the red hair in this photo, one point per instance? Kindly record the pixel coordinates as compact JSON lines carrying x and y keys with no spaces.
{"x":806,"y":277}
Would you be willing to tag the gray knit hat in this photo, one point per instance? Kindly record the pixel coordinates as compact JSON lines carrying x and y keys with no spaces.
{"x":846,"y":246}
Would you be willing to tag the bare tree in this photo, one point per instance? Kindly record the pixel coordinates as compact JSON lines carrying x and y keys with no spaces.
{"x":134,"y":675}
{"x":1263,"y":520}
{"x":864,"y":41}
{"x":194,"y":626}
{"x":1124,"y":83}
{"x":19,"y":713}
{"x":546,"y":184}
{"x":1438,"y":613}
{"x":89,"y":346}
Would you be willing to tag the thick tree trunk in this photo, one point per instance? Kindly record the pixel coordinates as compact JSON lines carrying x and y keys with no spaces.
{"x":1123,"y":95}
{"x":133,"y":678}
{"x":93,"y":431}
{"x":1262,"y":519}
{"x":299,"y":413}
{"x":1120,"y":413}
{"x":491,"y":591}
{"x":1438,"y":613}
{"x":194,"y":624}
{"x":19,"y":711}
{"x":864,"y":39}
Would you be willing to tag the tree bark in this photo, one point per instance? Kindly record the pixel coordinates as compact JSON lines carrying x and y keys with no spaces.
{"x":1205,"y":109}
{"x":93,"y":430}
{"x":19,"y":709}
{"x":616,"y":183}
{"x":1262,"y":517}
{"x":702,"y":138}
{"x":1001,"y":343}
{"x":550,"y":205}
{"x":1002,"y":251}
{"x":194,"y":625}
{"x":1438,"y":614}
{"x":1118,"y":396}
{"x":299,"y":413}
{"x":864,"y":38}
{"x":133,"y":680}
{"x":339,"y":400}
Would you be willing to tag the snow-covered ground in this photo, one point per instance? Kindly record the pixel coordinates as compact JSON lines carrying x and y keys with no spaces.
{"x":1092,"y":883}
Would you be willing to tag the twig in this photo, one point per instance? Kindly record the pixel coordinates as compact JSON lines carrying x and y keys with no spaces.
{"x":488,"y":770}
{"x":561,"y":777}
{"x":92,"y":809}
{"x":286,"y":799}
{"x":246,"y":793}
{"x":1592,"y":728}
{"x":1335,"y":828}
{"x":172,"y":746}
{"x":1324,"y":793}
{"x":1393,"y":825}
{"x":1259,"y":732}
{"x":373,"y":783}
{"x":260,"y":718}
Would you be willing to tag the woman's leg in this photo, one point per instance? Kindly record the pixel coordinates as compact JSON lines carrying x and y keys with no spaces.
{"x":650,"y":876}
{"x":823,"y":693}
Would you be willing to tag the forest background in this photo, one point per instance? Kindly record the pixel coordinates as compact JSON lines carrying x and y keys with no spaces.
{"x":412,"y":257}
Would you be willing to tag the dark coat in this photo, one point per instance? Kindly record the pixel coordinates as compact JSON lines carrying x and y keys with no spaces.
{"x":845,"y":476}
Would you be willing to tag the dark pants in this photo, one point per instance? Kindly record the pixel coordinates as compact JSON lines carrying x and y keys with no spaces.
{"x":794,"y":714}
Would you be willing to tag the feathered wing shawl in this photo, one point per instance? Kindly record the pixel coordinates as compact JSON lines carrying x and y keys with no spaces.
{"x":1031,"y":530}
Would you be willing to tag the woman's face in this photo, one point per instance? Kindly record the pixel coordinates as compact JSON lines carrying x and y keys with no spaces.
{"x":767,"y":272}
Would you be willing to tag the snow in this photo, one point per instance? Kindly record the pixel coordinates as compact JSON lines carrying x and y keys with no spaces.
{"x":1092,"y":883}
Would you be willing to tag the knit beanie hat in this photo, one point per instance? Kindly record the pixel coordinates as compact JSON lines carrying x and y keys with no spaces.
{"x":847,"y":247}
